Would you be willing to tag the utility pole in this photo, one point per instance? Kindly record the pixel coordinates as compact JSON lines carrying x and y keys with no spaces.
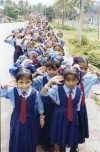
{"x":98,"y":19}
{"x":63,"y":13}
{"x":81,"y":21}
{"x":98,"y":22}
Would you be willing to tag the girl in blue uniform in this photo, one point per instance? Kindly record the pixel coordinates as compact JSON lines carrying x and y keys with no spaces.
{"x":17,"y":46}
{"x":38,"y":83}
{"x":64,"y":123}
{"x":27,"y":115}
{"x":87,"y":80}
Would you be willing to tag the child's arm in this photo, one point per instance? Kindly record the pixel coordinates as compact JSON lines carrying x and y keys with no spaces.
{"x":40,"y":71}
{"x":42,"y":120}
{"x":8,"y":37}
{"x":38,"y":83}
{"x":54,"y":80}
{"x":94,"y":70}
{"x":40,"y":108}
{"x":8,"y":93}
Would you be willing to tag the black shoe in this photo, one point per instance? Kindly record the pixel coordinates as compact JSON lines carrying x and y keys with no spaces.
{"x":63,"y":149}
{"x":44,"y":148}
{"x":47,"y":148}
{"x":74,"y":149}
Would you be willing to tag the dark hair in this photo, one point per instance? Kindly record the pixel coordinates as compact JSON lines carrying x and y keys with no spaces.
{"x":78,"y":60}
{"x":52,"y":64}
{"x":70,"y":70}
{"x":23,"y":73}
{"x":57,"y":44}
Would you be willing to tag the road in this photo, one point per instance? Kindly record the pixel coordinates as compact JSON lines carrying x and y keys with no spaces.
{"x":6,"y":61}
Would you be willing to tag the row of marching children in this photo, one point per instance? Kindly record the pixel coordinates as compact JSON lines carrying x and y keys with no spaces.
{"x":48,"y":97}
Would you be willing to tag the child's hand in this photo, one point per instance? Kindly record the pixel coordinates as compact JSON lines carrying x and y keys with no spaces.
{"x":57,"y":79}
{"x":4,"y":86}
{"x":41,"y":70}
{"x":11,"y":83}
{"x":93,"y":69}
{"x":77,"y":66}
{"x":42,"y":117}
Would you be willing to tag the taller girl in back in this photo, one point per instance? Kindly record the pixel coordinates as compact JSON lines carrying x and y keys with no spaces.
{"x":27,"y":106}
{"x":67,"y":99}
{"x":88,"y":79}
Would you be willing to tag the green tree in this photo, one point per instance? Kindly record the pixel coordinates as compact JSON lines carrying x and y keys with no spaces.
{"x":10,"y":9}
{"x":49,"y":13}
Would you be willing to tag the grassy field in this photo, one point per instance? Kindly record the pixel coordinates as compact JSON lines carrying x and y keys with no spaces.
{"x":71,"y":36}
{"x":75,"y":49}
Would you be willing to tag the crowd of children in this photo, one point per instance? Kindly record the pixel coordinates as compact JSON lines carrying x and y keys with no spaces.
{"x":48,"y":99}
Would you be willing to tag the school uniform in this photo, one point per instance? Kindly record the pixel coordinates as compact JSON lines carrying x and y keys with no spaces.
{"x":18,"y":49}
{"x":88,"y":80}
{"x":64,"y":132}
{"x":23,"y":136}
{"x":49,"y":106}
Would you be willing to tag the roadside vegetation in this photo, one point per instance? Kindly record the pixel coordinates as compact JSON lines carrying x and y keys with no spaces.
{"x":90,"y":45}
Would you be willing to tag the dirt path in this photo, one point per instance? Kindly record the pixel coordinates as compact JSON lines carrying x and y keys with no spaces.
{"x":93,"y":143}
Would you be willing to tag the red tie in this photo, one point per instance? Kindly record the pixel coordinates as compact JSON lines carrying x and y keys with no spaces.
{"x":23,"y":109}
{"x":83,"y":95}
{"x":17,"y":48}
{"x":70,"y":108}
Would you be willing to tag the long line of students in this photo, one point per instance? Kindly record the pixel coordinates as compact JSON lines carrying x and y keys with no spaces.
{"x":48,"y":100}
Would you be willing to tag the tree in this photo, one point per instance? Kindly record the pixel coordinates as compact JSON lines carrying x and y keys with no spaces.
{"x":49,"y":13}
{"x":10,"y":9}
{"x":67,"y":8}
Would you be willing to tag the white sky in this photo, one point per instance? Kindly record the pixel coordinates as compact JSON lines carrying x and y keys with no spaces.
{"x":46,"y":2}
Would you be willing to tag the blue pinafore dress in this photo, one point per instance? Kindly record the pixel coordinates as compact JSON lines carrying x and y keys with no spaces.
{"x":49,"y":106}
{"x":24,"y":137}
{"x":65,"y":132}
{"x":83,"y":130}
{"x":17,"y":53}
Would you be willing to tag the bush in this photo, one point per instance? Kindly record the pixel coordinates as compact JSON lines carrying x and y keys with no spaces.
{"x":93,"y":53}
{"x":94,"y":57}
{"x":74,"y":40}
{"x":65,"y":27}
{"x":85,"y":40}
{"x":89,"y":29}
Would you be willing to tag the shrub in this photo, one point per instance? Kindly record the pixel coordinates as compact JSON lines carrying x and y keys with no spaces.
{"x":94,"y":57}
{"x":65,"y":27}
{"x":74,"y":40}
{"x":89,"y":29}
{"x":85,"y":40}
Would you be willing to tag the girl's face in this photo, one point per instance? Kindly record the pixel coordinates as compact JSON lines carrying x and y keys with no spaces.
{"x":51,"y":71}
{"x":71,"y":81}
{"x":24,"y":84}
{"x":29,"y":48}
{"x":83,"y":67}
{"x":59,"y":50}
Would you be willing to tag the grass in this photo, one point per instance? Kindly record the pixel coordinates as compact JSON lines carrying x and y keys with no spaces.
{"x":75,"y":49}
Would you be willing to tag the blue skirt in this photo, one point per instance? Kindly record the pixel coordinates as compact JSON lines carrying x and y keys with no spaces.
{"x":83,"y":130}
{"x":64,"y":132}
{"x":23,"y":137}
{"x":45,"y":131}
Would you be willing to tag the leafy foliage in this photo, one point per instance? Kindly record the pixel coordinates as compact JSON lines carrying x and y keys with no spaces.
{"x":49,"y":12}
{"x":65,"y":27}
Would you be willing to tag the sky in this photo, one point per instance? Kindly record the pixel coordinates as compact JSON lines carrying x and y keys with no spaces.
{"x":46,"y":2}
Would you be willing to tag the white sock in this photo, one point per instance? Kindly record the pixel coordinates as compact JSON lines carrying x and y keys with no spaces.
{"x":67,"y":149}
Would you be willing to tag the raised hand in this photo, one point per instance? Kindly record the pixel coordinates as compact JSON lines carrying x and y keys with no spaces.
{"x":57,"y":79}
